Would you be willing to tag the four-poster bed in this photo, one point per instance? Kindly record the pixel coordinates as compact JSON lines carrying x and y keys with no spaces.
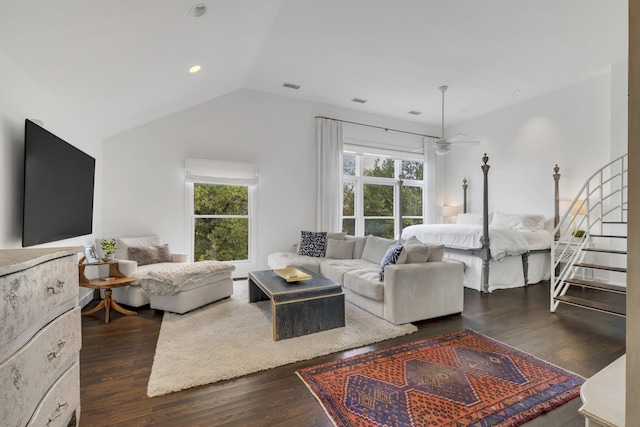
{"x":499,"y":250}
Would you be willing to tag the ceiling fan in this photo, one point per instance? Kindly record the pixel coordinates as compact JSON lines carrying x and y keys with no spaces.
{"x":444,"y":144}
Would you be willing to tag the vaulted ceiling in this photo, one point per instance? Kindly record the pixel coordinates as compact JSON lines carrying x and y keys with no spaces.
{"x":123,"y":63}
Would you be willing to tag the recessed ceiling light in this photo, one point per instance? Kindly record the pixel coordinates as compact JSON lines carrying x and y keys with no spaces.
{"x":198,"y":10}
{"x":517,"y":91}
{"x":291,"y":86}
{"x":359,"y":100}
{"x":415,"y":113}
{"x":195,"y":69}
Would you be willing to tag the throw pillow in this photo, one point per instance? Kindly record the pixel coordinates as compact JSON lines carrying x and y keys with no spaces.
{"x":436,"y":253}
{"x":416,"y":250}
{"x":375,"y":248}
{"x":391,"y":257}
{"x":340,"y":249}
{"x":358,"y":245}
{"x":145,"y":255}
{"x":312,"y":243}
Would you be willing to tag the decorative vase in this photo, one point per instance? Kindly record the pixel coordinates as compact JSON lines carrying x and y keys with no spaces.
{"x":108,"y":257}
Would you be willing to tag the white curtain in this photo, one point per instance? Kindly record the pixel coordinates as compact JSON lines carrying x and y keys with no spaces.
{"x":434,"y":178}
{"x":329,"y":146}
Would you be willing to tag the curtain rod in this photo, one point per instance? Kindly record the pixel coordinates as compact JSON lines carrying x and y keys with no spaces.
{"x":377,"y":127}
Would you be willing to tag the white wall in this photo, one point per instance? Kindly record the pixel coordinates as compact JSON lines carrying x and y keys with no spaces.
{"x":21,"y":98}
{"x":570,"y":127}
{"x":144,"y":190}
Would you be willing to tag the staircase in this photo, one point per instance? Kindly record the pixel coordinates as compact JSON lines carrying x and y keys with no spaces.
{"x":597,"y":259}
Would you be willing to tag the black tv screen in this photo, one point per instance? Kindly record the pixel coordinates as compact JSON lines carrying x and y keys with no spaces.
{"x":58,"y":188}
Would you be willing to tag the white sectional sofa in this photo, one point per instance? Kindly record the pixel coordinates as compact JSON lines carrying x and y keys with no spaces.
{"x":419,"y":285}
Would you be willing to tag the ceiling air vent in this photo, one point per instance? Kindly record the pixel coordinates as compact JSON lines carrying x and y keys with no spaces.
{"x":291,"y":86}
{"x":359,"y":100}
{"x":415,"y":113}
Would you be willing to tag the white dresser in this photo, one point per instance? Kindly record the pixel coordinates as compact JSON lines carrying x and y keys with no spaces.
{"x":40,"y":337}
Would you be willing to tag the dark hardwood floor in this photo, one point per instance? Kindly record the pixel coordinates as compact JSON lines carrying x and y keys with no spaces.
{"x":116,"y":361}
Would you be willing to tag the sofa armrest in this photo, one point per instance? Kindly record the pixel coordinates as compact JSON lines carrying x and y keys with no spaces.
{"x":178,"y":257}
{"x":423,"y":290}
{"x":127,"y":267}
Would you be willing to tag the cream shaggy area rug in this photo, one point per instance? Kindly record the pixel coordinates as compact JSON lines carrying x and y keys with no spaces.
{"x":231,"y":338}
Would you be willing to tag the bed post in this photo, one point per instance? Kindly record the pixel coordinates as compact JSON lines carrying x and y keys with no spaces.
{"x":485,"y":253}
{"x":464,"y":191}
{"x":556,"y":212}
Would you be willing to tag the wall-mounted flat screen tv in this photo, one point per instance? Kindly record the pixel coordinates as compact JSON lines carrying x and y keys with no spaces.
{"x":58,"y":188}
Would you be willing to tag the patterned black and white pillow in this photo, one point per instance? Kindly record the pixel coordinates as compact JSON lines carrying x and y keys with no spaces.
{"x":313,"y":243}
{"x":391,"y":257}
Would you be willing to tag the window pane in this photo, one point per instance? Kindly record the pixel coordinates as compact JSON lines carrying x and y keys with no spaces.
{"x":221,"y":239}
{"x":412,"y":170}
{"x":378,"y":200}
{"x":349,"y":226}
{"x":349,"y":164}
{"x":348,"y":198}
{"x":211,"y":199}
{"x":412,"y":201}
{"x":410,"y":221}
{"x":379,"y":227}
{"x":380,"y":167}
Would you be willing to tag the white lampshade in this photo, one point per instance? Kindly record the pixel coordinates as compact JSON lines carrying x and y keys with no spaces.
{"x":449,"y":210}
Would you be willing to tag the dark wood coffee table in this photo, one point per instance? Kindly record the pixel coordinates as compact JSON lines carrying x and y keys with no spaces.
{"x":299,"y":308}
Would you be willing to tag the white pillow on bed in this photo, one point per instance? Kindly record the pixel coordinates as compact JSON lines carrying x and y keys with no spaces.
{"x":524,"y":222}
{"x":472,"y":218}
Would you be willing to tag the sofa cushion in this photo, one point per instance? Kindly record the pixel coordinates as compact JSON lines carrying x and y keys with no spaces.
{"x":365,"y":282}
{"x":144,"y":255}
{"x":416,"y":250}
{"x":358,"y":245}
{"x":436,"y":253}
{"x":337,"y":236}
{"x":312,"y":243}
{"x":340,"y":249}
{"x":335,"y":269}
{"x":391,"y":257}
{"x":376,"y":248}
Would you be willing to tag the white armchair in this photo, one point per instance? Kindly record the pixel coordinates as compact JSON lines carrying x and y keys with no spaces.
{"x":134,"y":295}
{"x":142,"y":258}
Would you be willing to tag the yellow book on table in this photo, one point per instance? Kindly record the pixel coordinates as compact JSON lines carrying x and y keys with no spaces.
{"x":292,"y":274}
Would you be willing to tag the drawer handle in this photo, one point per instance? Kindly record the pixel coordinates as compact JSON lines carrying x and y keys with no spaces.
{"x":17,"y":376}
{"x":58,"y":288}
{"x":57,"y":412}
{"x":56,"y":354}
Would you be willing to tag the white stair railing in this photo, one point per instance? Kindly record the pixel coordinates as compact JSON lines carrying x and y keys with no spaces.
{"x":601,"y":200}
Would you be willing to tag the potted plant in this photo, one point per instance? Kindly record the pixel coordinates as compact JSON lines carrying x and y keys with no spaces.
{"x":578,"y":235}
{"x":109,"y":248}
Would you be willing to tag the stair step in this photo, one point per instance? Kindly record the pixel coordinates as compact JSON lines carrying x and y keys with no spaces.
{"x":597,"y":285}
{"x":594,"y":305}
{"x":601,"y":267}
{"x":614,"y":236}
{"x":615,"y":222}
{"x":606,"y":251}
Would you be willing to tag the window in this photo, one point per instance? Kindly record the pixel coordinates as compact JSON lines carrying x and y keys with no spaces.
{"x":371,"y":199}
{"x":221,"y":208}
{"x":220,"y":222}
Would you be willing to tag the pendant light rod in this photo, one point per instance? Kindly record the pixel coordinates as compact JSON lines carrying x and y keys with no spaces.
{"x":443,"y":89}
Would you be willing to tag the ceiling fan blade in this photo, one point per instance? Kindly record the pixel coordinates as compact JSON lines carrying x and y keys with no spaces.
{"x":457,"y":137}
{"x":465,"y":142}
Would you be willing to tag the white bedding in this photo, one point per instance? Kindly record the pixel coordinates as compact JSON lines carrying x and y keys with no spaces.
{"x":504,"y":272}
{"x":502,"y":241}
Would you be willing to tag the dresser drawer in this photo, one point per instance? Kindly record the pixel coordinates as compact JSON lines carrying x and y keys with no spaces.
{"x":31,"y":298}
{"x":27,"y":375}
{"x":57,"y":406}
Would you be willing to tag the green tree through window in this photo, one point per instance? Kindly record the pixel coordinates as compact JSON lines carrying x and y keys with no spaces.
{"x":221,"y":222}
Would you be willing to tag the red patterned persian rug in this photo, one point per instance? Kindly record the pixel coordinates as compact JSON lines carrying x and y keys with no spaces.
{"x":459,"y":379}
